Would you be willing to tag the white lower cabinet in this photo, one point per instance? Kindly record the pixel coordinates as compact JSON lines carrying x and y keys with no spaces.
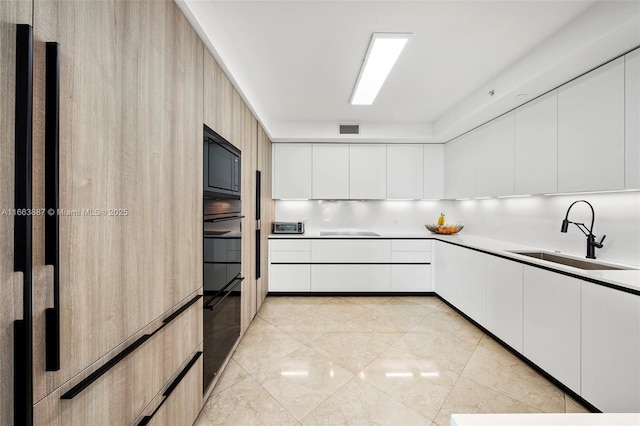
{"x":289,"y":278}
{"x":411,"y":278}
{"x":350,"y":278}
{"x":354,"y":250}
{"x":551,"y":328}
{"x":504,"y":300}
{"x":610,"y":349}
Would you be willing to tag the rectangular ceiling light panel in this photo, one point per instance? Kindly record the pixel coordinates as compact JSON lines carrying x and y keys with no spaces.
{"x":382,"y":54}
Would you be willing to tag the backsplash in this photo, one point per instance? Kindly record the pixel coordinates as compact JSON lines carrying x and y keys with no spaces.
{"x":533,"y":221}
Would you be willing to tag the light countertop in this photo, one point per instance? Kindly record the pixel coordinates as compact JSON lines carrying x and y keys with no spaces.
{"x":629,"y":279}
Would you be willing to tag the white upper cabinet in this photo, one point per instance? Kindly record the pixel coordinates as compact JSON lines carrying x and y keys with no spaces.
{"x":330,"y":171}
{"x":536,"y":146}
{"x":632,"y":120}
{"x":494,"y":157}
{"x":433,"y":186}
{"x":292,"y":170}
{"x":368,"y":171}
{"x":591,"y":130}
{"x":404,"y":171}
{"x":460,"y":167}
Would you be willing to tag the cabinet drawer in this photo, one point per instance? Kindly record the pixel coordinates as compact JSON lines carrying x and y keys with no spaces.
{"x":290,"y":245}
{"x":411,"y":278}
{"x":410,"y":245}
{"x":289,"y":278}
{"x":410,"y":256}
{"x":290,"y":256}
{"x":345,"y":251}
{"x":350,"y":278}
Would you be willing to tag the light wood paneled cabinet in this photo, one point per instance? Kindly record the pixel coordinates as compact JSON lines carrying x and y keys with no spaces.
{"x":632,"y":119}
{"x":536,"y":146}
{"x":591,"y":130}
{"x":330,"y":166}
{"x":292,"y":176}
{"x":367,"y":171}
{"x":405,"y":172}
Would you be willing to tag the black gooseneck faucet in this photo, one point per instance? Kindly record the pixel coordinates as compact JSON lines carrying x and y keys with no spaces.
{"x":591,"y":239}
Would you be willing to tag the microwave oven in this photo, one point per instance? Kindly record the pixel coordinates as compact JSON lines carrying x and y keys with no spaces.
{"x":287,"y":228}
{"x":221,"y":163}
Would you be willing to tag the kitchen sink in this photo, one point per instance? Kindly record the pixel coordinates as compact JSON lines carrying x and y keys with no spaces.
{"x":350,"y":233}
{"x":570,"y":261}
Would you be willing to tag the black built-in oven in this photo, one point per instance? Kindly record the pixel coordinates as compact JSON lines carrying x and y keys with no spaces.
{"x":222,"y":166}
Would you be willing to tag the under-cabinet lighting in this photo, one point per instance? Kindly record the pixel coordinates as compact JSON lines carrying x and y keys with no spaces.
{"x":593,"y":192}
{"x":293,"y":199}
{"x":462,"y":199}
{"x":513,"y":196}
{"x":482,"y":198}
{"x":382,"y":54}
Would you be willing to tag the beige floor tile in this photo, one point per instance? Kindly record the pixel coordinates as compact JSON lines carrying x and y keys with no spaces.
{"x":231,"y":375}
{"x":415,"y":381}
{"x":469,"y":397}
{"x":353,"y":350}
{"x":359,"y":403}
{"x":377,"y":320}
{"x":339,"y":312}
{"x":449,"y":324}
{"x":301,"y":380}
{"x":245,"y":403}
{"x":573,"y":406}
{"x":493,"y":366}
{"x":430,"y":301}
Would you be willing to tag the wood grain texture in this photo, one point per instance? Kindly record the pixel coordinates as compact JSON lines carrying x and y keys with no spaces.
{"x":268,"y":213}
{"x":12,"y":12}
{"x":125,"y":391}
{"x":130,"y":138}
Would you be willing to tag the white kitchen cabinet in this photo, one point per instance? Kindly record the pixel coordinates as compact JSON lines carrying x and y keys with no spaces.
{"x":367,"y":171}
{"x":610,"y":349}
{"x":443,"y":265}
{"x":591,"y":152}
{"x":411,"y":278}
{"x":504,"y":300}
{"x":354,"y":250}
{"x":289,"y":278}
{"x":292,"y":165}
{"x":632,"y":119}
{"x":460,"y":167}
{"x":405,"y":172}
{"x":536,"y":146}
{"x":494,"y":157}
{"x":330,"y":171}
{"x":348,"y":278}
{"x":551,"y":324}
{"x":433,"y":186}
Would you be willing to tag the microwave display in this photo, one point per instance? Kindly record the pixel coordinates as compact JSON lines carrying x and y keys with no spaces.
{"x":288,"y":228}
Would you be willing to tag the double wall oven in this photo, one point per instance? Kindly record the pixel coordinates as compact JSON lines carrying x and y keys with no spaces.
{"x":222,"y":231}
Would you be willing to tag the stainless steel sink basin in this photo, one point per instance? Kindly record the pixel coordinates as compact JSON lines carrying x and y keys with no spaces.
{"x":570,"y":261}
{"x":350,"y":233}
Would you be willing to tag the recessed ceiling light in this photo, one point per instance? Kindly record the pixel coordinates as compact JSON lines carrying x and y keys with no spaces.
{"x":382,"y":54}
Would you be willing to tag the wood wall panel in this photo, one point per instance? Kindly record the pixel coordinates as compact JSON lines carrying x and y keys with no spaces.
{"x":268,"y":213}
{"x":12,"y":12}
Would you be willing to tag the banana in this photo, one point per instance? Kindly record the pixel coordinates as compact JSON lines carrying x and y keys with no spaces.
{"x":441,"y":220}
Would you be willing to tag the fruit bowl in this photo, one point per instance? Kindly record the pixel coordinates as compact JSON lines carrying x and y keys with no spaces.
{"x":444,"y":229}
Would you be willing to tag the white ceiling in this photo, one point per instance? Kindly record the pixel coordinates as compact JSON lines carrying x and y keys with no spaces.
{"x":296,"y":62}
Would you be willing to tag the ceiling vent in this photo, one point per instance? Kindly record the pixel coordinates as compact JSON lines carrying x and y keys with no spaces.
{"x":349,"y":129}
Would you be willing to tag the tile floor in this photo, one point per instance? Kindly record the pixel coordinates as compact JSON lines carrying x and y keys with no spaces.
{"x":371,"y":361}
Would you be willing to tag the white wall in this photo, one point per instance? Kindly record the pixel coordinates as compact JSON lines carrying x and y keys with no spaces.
{"x":536,"y":221}
{"x":379,"y":216}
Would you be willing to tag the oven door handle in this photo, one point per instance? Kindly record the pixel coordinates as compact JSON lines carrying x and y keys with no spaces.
{"x":237,"y":281}
{"x":223,"y":219}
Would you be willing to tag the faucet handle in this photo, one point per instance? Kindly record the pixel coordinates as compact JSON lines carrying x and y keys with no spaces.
{"x":600,"y":245}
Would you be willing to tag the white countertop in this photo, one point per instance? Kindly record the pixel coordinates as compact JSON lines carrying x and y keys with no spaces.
{"x":622,"y":278}
{"x":546,"y":419}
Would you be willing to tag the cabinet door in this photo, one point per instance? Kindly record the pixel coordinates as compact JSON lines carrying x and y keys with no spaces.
{"x":551,"y":324}
{"x":536,"y":146}
{"x":433,"y":186}
{"x":460,"y":166}
{"x":411,"y":278}
{"x":330,"y":171}
{"x":289,"y":278}
{"x":610,"y":349}
{"x":591,"y":130}
{"x":292,"y":170}
{"x":356,"y":250}
{"x":404,"y":172}
{"x":632,"y":119}
{"x":367,"y":172}
{"x":347,"y":278}
{"x":504,"y":300}
{"x":495,"y":175}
